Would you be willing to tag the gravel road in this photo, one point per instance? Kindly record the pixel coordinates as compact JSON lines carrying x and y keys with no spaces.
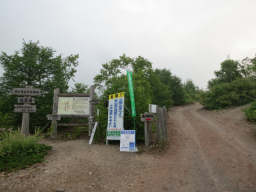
{"x":208,"y":151}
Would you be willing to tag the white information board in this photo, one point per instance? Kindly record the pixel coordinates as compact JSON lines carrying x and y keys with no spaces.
{"x":128,"y":141}
{"x":115,"y":116}
{"x":74,"y":106}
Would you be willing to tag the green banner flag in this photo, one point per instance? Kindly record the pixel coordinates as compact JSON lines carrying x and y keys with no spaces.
{"x":129,"y":77}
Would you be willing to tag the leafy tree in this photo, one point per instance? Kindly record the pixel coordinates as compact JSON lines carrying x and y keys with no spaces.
{"x":161,"y":93}
{"x":112,"y":79}
{"x":174,"y":84}
{"x":39,"y":67}
{"x":229,"y":72}
{"x":80,"y":88}
{"x":157,"y":86}
{"x":222,"y":95}
{"x":234,"y":85}
{"x":248,"y":68}
{"x":192,"y":92}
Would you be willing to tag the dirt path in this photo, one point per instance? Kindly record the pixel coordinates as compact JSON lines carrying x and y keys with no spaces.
{"x":208,"y":152}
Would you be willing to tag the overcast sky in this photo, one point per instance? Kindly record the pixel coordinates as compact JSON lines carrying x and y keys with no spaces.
{"x":190,"y":38}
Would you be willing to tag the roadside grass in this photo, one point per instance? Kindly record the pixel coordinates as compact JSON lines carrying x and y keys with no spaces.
{"x":18,"y":151}
{"x":250,"y":112}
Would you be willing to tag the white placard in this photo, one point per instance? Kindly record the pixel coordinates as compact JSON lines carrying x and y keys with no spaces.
{"x":74,"y":106}
{"x":127,"y":141}
{"x":152,"y":108}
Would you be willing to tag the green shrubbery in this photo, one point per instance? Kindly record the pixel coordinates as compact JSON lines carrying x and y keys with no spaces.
{"x":251,"y":112}
{"x":234,"y":85}
{"x":222,"y":95}
{"x":18,"y":151}
{"x":151,"y":86}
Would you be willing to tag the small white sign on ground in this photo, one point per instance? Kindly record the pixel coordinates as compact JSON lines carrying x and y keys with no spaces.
{"x":93,"y":133}
{"x":127,"y":141}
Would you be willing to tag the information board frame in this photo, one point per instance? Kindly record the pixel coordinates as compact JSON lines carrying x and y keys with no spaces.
{"x":54,"y":117}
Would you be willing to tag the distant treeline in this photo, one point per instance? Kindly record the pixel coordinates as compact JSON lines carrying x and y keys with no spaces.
{"x":234,"y":85}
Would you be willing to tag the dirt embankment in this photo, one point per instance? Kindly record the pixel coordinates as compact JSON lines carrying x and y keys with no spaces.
{"x":208,"y":152}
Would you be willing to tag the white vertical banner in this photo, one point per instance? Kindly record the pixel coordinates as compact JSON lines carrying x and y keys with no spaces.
{"x":115,"y":116}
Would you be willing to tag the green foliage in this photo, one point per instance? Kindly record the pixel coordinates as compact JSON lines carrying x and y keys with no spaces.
{"x":192,"y":93}
{"x":229,"y":72}
{"x":112,"y":79}
{"x":6,"y":120}
{"x":39,"y":67}
{"x":222,"y":95}
{"x":251,"y":112}
{"x":235,"y":84}
{"x":175,"y":87}
{"x":150,"y":86}
{"x":80,"y":88}
{"x":161,"y":93}
{"x":18,"y":151}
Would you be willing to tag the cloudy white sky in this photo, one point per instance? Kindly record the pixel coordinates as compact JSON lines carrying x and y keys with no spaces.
{"x":190,"y":38}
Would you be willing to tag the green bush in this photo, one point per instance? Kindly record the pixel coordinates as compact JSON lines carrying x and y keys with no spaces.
{"x":18,"y":151}
{"x":251,"y":112}
{"x":222,"y":95}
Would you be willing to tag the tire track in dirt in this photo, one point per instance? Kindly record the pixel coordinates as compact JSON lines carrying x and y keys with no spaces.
{"x":232,"y":163}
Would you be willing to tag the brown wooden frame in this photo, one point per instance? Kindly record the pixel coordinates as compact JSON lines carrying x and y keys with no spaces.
{"x":55,"y":118}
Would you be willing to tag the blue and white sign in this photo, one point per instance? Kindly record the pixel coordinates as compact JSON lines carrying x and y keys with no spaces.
{"x":128,"y":141}
{"x":115,"y":116}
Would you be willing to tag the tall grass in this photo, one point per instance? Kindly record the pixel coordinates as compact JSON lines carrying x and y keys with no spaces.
{"x":18,"y":151}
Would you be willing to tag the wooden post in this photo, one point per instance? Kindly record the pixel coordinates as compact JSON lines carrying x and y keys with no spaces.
{"x":25,"y":124}
{"x":26,"y":108}
{"x":150,"y":131}
{"x":165,"y":115}
{"x":147,"y":118}
{"x":146,"y":134}
{"x":158,"y":126}
{"x":161,"y":125}
{"x":54,"y":124}
{"x":91,"y":117}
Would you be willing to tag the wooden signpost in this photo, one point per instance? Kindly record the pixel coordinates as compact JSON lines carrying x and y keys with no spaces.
{"x":72,"y":105}
{"x":25,"y":106}
{"x":147,"y":118}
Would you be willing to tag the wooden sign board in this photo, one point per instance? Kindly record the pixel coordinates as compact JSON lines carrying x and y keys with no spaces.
{"x":28,"y":91}
{"x":24,"y":108}
{"x":26,"y":100}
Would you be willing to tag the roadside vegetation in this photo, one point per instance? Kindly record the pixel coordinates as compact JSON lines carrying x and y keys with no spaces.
{"x":151,"y":86}
{"x":18,"y":151}
{"x":234,"y":85}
